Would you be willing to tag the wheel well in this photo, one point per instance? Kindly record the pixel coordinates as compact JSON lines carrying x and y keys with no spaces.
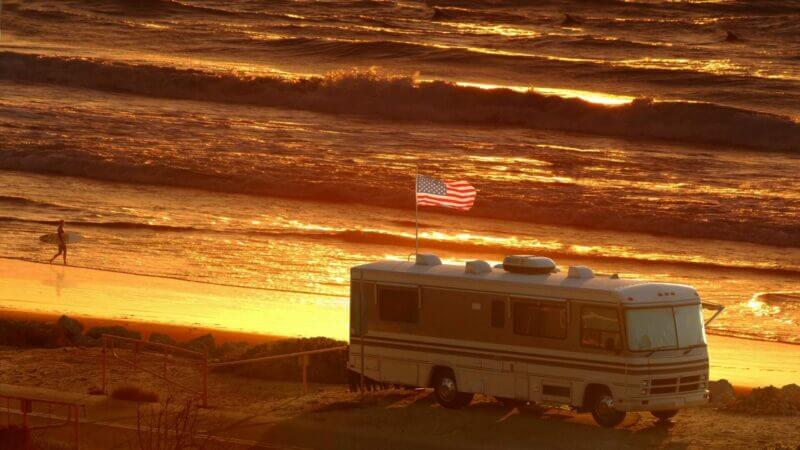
{"x":591,"y":392}
{"x":437,"y":370}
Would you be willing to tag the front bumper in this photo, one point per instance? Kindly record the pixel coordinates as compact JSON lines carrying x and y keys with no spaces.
{"x":661,"y":403}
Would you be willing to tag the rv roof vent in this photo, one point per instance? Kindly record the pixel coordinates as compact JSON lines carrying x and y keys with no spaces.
{"x":529,"y":264}
{"x":582,"y":272}
{"x":477,"y":267}
{"x":426,"y":259}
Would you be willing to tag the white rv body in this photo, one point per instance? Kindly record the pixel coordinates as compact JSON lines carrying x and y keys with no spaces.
{"x":530,"y":333}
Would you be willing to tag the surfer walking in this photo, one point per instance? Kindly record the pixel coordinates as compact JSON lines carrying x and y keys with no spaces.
{"x":62,"y":243}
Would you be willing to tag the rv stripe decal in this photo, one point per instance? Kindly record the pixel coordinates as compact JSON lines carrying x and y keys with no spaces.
{"x":530,"y":355}
{"x":531,"y":360}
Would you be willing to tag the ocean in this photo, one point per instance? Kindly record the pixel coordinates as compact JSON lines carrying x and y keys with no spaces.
{"x":273,"y":143}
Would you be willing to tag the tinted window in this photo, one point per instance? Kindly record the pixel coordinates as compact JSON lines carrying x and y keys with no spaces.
{"x":600,"y":327}
{"x":540,"y":320}
{"x":498,"y":314}
{"x":397,"y":304}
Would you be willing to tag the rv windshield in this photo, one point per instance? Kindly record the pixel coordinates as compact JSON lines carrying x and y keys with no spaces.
{"x":665,"y":328}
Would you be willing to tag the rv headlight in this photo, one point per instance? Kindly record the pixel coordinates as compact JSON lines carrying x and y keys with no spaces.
{"x":645,"y":385}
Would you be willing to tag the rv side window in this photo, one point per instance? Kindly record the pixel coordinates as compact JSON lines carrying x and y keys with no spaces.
{"x":540,"y":320}
{"x":398,"y":304}
{"x":498,"y":313}
{"x":600,"y":328}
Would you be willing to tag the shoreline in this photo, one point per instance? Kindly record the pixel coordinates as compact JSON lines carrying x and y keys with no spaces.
{"x":106,"y":319}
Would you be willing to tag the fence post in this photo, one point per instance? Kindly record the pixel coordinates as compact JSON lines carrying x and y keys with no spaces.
{"x":205,"y":380}
{"x":103,"y":364}
{"x":77,"y":427}
{"x":304,"y":359}
{"x":25,"y":406}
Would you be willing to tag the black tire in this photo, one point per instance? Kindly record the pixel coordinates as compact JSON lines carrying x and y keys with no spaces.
{"x":446,"y":390}
{"x":603,"y":410}
{"x":664,"y":415}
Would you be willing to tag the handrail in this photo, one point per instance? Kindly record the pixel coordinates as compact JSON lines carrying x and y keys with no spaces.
{"x":51,"y":402}
{"x":154,"y":373}
{"x":274,"y":357}
{"x":154,"y":344}
{"x":26,"y":410}
{"x":205,"y":365}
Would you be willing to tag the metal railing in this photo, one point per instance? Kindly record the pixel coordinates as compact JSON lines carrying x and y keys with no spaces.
{"x":303,"y":356}
{"x":23,"y":406}
{"x":165,"y":351}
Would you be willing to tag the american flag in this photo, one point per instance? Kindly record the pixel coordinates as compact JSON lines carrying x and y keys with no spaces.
{"x":450,"y":194}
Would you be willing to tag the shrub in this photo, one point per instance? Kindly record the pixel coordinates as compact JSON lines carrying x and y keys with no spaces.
{"x":769,"y":401}
{"x":134,"y":394}
{"x":324,"y":368}
{"x":30,"y":334}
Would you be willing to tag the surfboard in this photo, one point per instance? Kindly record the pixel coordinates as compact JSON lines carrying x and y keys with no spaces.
{"x":69,"y":238}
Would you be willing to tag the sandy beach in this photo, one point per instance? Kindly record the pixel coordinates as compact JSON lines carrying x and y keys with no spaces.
{"x":149,"y":304}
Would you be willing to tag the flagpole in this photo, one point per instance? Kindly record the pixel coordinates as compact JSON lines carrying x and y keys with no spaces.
{"x":416,"y":214}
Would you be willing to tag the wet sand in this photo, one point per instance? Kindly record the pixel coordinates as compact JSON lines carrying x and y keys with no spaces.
{"x":187,"y":309}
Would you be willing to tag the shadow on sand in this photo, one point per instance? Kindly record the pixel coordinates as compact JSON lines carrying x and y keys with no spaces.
{"x":402,"y":420}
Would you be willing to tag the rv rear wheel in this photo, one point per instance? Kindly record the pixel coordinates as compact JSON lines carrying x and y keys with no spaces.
{"x":446,"y":391}
{"x":664,"y":415}
{"x":604,"y":412}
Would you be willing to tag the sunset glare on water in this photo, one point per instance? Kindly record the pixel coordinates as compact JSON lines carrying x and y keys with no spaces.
{"x":226,"y":163}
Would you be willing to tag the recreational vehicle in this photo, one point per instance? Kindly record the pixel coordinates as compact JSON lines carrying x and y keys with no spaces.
{"x":525,"y":331}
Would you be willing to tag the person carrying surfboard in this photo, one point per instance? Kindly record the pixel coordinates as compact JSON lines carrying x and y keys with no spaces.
{"x":62,"y":243}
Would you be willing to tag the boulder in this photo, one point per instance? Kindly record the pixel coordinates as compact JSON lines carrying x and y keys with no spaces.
{"x":70,"y":328}
{"x":721,"y":392}
{"x":161,"y":338}
{"x":202,"y":344}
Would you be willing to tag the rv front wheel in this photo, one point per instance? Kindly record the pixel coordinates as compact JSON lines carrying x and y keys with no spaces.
{"x":446,"y":391}
{"x":664,"y":415}
{"x":604,"y":412}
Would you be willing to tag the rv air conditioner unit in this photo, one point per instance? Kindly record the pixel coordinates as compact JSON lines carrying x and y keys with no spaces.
{"x":533,"y":265}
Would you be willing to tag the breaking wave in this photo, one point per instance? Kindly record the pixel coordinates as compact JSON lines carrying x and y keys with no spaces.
{"x":368,"y":93}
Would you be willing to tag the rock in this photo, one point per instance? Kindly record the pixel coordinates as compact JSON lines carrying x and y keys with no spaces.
{"x":70,"y":327}
{"x":161,"y":338}
{"x":732,"y":37}
{"x":569,"y":21}
{"x":721,"y":392}
{"x":439,"y":14}
{"x":97,"y":332}
{"x":202,"y":344}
